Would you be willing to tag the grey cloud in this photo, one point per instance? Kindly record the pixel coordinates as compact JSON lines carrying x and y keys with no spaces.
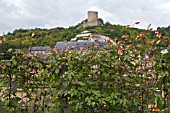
{"x":52,"y":13}
{"x":146,"y":11}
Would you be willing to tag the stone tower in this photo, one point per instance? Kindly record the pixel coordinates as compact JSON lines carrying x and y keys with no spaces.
{"x":92,"y":19}
{"x":92,"y":16}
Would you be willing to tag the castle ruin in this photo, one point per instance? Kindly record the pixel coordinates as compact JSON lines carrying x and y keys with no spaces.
{"x":92,"y":19}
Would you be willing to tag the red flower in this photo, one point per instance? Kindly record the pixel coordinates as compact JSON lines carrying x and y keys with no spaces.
{"x":154,"y":39}
{"x":120,"y":51}
{"x":111,"y":84}
{"x":145,"y":61}
{"x":24,"y":55}
{"x":137,"y":22}
{"x":165,"y":41}
{"x":106,"y":107}
{"x":139,"y":96}
{"x":158,"y":41}
{"x":158,"y":80}
{"x":108,"y":41}
{"x":150,"y":29}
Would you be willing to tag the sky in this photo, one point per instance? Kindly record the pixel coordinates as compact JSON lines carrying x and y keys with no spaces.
{"x":28,"y":14}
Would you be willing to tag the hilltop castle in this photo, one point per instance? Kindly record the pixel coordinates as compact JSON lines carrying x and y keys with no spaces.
{"x":92,"y":19}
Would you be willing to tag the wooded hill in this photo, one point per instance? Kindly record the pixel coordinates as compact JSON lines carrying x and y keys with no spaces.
{"x":24,"y":38}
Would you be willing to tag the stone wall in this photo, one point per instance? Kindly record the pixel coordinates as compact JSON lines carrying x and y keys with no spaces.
{"x":92,"y":23}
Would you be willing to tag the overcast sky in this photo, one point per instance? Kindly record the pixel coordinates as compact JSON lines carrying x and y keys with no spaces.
{"x":15,"y":14}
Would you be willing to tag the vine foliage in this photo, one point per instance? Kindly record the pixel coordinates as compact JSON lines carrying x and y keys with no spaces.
{"x":130,"y":77}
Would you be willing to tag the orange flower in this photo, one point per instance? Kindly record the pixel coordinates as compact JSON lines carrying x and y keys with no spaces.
{"x":2,"y":67}
{"x":129,"y":45}
{"x":150,"y":106}
{"x":152,"y":82}
{"x":149,"y":91}
{"x":145,"y":81}
{"x":156,"y":110}
{"x":132,"y":54}
{"x":91,"y":36}
{"x":138,"y":36}
{"x":154,"y":75}
{"x":1,"y":41}
{"x":32,"y":71}
{"x":116,"y":67}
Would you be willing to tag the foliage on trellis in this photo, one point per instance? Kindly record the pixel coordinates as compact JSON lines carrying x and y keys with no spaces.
{"x":132,"y":77}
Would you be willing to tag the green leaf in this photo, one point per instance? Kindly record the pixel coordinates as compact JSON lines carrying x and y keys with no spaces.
{"x":57,"y":71}
{"x":159,"y":85}
{"x":69,"y":76}
{"x":81,"y":83}
{"x":14,"y":62}
{"x":8,"y":63}
{"x":124,"y":101}
{"x":160,"y":103}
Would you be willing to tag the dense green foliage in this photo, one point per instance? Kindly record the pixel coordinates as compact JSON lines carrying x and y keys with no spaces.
{"x":24,"y":38}
{"x":113,"y":80}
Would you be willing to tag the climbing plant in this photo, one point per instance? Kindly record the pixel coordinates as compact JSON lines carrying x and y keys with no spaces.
{"x":132,"y":76}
